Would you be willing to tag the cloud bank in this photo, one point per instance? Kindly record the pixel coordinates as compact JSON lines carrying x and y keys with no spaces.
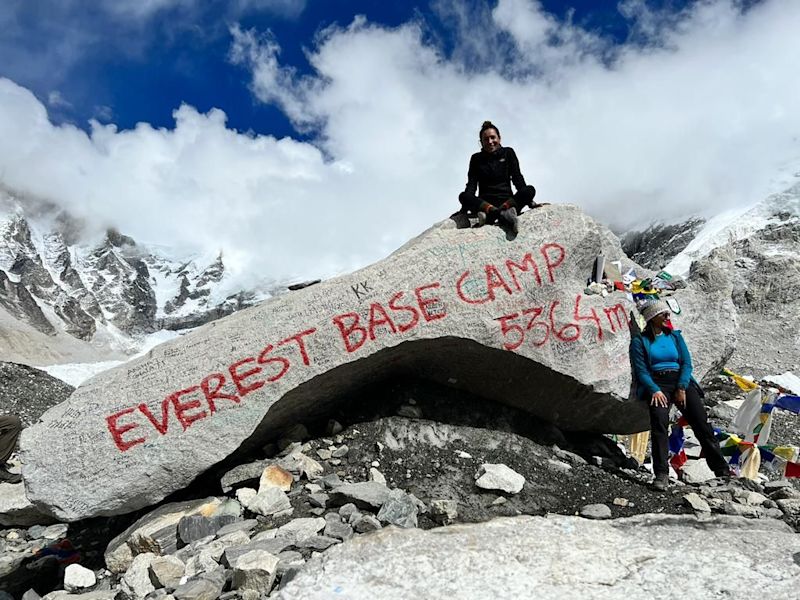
{"x":693,"y":115}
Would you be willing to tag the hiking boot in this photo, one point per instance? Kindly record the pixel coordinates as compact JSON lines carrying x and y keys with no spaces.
{"x":509,"y":216}
{"x":7,"y":476}
{"x":481,"y":219}
{"x":661,"y":482}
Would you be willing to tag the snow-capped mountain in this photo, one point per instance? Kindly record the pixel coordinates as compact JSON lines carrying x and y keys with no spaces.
{"x":755,"y":252}
{"x":106,"y":293}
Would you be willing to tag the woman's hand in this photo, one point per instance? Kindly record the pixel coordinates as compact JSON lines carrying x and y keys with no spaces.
{"x":680,"y":398}
{"x":659,"y":399}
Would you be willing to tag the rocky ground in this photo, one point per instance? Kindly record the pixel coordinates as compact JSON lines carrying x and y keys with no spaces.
{"x":28,"y":392}
{"x":406,"y":454}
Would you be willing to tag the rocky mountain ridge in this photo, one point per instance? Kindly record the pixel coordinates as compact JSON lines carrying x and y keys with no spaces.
{"x":756,"y":254}
{"x":105,"y":292}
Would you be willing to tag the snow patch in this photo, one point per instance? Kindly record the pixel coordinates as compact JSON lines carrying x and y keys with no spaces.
{"x":734,"y":225}
{"x":77,"y":373}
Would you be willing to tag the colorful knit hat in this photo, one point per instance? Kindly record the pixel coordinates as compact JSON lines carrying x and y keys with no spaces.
{"x":653,"y":308}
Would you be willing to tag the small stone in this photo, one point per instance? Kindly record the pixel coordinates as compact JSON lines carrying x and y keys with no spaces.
{"x":207,"y":586}
{"x":136,"y":581}
{"x":317,"y":511}
{"x":499,"y":477}
{"x":167,"y":572}
{"x":400,"y":509}
{"x":288,"y":559}
{"x":697,"y":503}
{"x":330,"y":481}
{"x":499,"y":500}
{"x":375,"y":475}
{"x":270,"y":501}
{"x":771,"y":486}
{"x":333,"y":427}
{"x":697,"y":471}
{"x":375,"y":463}
{"x":202,"y":562}
{"x":255,"y":571}
{"x":558,"y":466}
{"x":444,"y":511}
{"x":335,"y":461}
{"x":324,"y":453}
{"x":570,"y":457}
{"x":340,"y":452}
{"x":277,"y":477}
{"x":347,"y":510}
{"x":247,"y":526}
{"x":596,"y":511}
{"x":55,"y":532}
{"x":246,"y":496}
{"x":462,"y":454}
{"x":317,"y":542}
{"x":300,"y":528}
{"x":320,"y":499}
{"x":750,"y":497}
{"x":78,"y":578}
{"x":195,"y":527}
{"x":366,"y":523}
{"x":341,"y":531}
{"x":621,"y":502}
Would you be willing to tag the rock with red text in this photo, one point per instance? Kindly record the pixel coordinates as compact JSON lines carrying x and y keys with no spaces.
{"x":505,"y":319}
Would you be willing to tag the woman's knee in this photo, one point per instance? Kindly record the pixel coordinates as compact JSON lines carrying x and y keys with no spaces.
{"x":10,"y":423}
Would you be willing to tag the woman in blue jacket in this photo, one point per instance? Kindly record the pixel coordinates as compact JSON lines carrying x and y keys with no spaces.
{"x":662,"y":368}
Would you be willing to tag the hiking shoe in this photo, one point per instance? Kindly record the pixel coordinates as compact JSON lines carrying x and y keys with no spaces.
{"x":481,"y":219}
{"x":7,"y":476}
{"x":661,"y":482}
{"x":509,"y":215}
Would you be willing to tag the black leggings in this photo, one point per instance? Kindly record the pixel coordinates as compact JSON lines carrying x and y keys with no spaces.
{"x":695,"y":414}
{"x":521,"y":199}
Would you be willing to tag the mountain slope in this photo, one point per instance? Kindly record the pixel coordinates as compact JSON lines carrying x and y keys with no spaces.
{"x":757,"y":252}
{"x":66,"y":295}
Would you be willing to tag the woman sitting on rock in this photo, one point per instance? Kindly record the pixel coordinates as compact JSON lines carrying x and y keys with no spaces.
{"x":662,"y":368}
{"x":491,"y":172}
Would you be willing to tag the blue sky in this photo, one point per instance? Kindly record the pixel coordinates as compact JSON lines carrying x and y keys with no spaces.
{"x":124,"y":67}
{"x":310,"y":138}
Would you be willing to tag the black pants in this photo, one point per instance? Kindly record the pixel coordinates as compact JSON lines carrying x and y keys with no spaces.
{"x":695,"y":414}
{"x":10,"y":426}
{"x":521,"y":199}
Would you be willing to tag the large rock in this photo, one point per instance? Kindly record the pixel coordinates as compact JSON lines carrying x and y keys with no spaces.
{"x":450,"y":306}
{"x":16,"y":509}
{"x":156,"y":532}
{"x":560,"y":557}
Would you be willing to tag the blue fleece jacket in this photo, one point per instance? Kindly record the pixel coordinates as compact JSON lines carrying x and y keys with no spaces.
{"x":639,"y":353}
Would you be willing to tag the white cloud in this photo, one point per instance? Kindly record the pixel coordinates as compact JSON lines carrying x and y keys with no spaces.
{"x":56,"y":100}
{"x":694,"y":115}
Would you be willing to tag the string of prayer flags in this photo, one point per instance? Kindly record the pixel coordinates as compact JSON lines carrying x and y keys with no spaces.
{"x":743,"y":383}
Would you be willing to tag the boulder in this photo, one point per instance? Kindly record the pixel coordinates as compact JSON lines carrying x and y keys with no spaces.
{"x":15,"y":508}
{"x":446,"y":301}
{"x":499,"y":477}
{"x":155,"y":532}
{"x":559,"y":557}
{"x":78,"y":578}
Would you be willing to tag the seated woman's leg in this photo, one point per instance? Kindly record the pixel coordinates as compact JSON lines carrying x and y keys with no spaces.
{"x":695,"y":414}
{"x":524,"y":197}
{"x":470,"y":202}
{"x":659,"y":419}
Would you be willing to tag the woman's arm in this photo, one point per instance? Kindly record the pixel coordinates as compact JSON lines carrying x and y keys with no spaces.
{"x":472,"y":178}
{"x":513,"y":170}
{"x":640,"y":366}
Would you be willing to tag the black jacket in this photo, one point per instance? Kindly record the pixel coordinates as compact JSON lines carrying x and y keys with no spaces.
{"x":491,"y":174}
